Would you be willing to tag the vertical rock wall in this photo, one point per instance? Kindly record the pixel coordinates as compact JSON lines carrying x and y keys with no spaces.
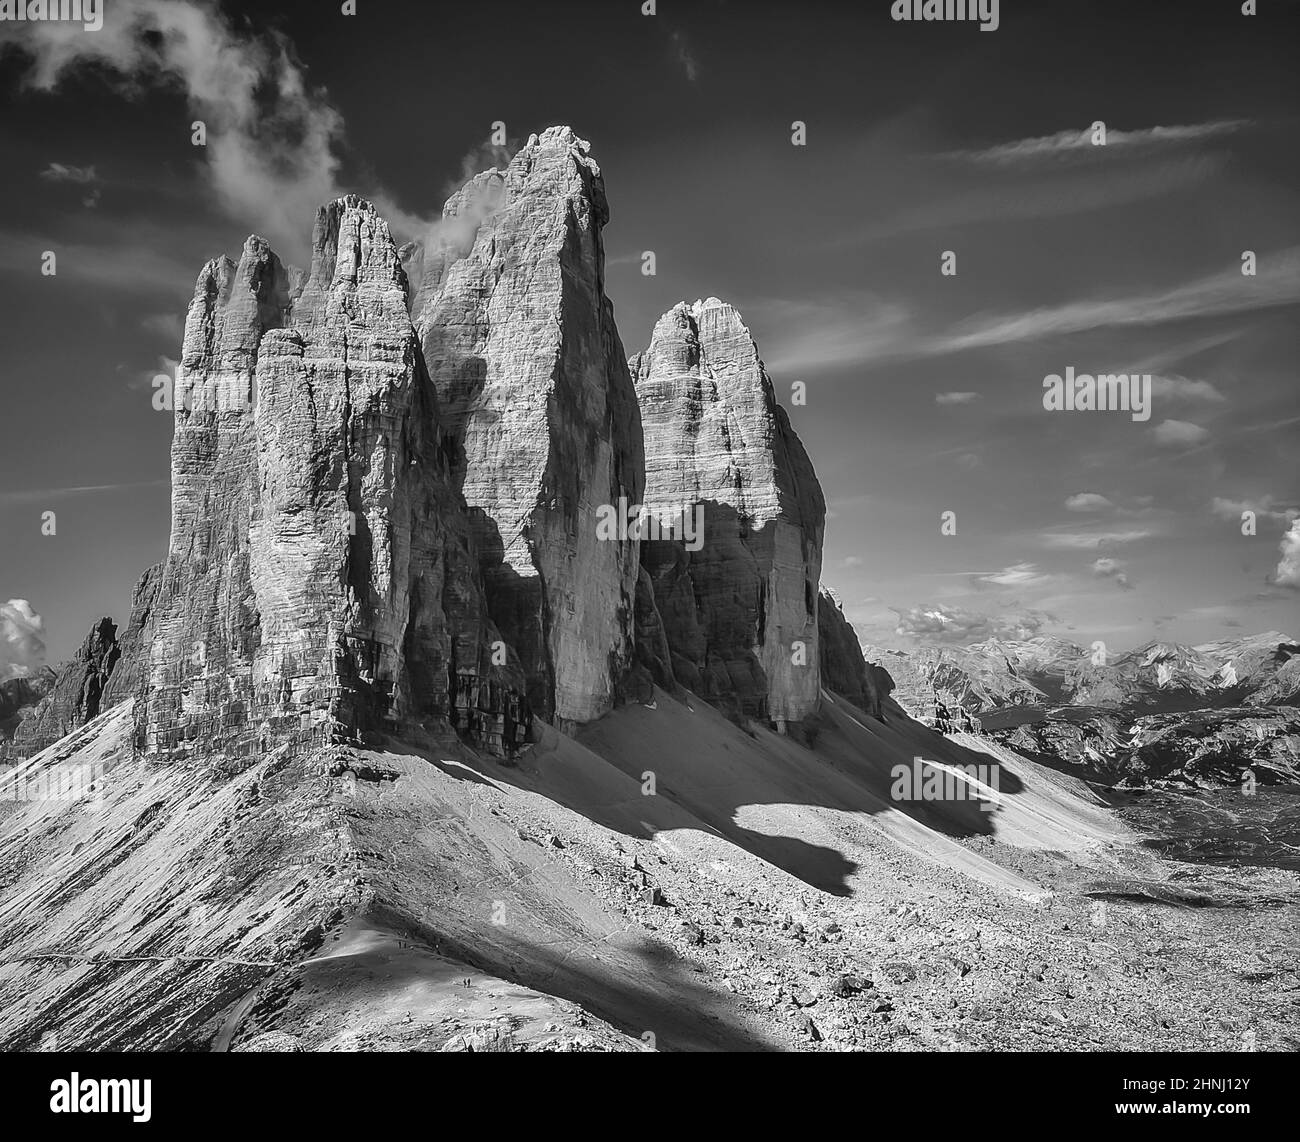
{"x":540,"y":411}
{"x":740,"y":613}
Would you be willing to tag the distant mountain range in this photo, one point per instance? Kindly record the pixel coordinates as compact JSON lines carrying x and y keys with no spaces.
{"x":1163,"y":714}
{"x":997,"y":675}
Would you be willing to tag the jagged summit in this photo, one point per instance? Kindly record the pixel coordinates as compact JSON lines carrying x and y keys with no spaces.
{"x":540,"y":413}
{"x":739,"y":610}
{"x":319,"y":581}
{"x":394,"y":475}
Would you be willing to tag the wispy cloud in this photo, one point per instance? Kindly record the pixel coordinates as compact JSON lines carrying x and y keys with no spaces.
{"x":955,"y":398}
{"x":1226,"y":292}
{"x":481,"y":157}
{"x":1108,"y":568}
{"x":1088,"y":502}
{"x":685,"y":57}
{"x":829,"y":332}
{"x":1072,"y":143}
{"x":1067,"y":539}
{"x":835,"y":331}
{"x":271,"y":136}
{"x":1017,"y":575}
{"x":1049,"y":195}
{"x":1264,"y":507}
{"x":136,"y":261}
{"x":47,"y":495}
{"x":1179,"y":434}
{"x":63,"y":172}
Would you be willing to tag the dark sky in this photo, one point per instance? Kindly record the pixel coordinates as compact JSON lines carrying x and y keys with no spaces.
{"x":924,"y":391}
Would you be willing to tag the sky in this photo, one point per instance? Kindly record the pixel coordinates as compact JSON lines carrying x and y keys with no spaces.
{"x":924,"y":391}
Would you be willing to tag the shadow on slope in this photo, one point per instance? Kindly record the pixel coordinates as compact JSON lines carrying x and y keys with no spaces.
{"x":157,"y":915}
{"x":140,"y":920}
{"x":816,"y":812}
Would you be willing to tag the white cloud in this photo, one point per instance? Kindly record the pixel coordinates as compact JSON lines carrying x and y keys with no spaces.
{"x":1288,"y":567}
{"x":1088,"y":502}
{"x":63,"y":172}
{"x":1017,"y":575}
{"x":1182,"y":389}
{"x":1265,"y":507}
{"x":270,"y":136}
{"x":21,"y":648}
{"x":955,"y":398}
{"x":1107,"y":568}
{"x":937,"y":623}
{"x":1179,"y":434}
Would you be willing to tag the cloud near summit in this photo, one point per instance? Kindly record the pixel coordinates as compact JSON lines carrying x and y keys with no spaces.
{"x":22,"y":649}
{"x":272,"y":139}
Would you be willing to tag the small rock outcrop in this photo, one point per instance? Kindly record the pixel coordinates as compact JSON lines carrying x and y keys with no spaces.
{"x":539,"y":413}
{"x":736,"y":584}
{"x":18,"y":696}
{"x":37,"y":711}
{"x":76,"y":695}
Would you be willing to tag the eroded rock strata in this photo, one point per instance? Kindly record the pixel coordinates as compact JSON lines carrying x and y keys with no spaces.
{"x":406,"y":485}
{"x":738,"y":601}
{"x":319,"y":582}
{"x":539,"y":412}
{"x":844,"y":669}
{"x":74,"y":697}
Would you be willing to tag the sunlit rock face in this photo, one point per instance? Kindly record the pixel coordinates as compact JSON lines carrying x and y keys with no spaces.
{"x":738,"y":600}
{"x":539,"y":412}
{"x":319,"y":583}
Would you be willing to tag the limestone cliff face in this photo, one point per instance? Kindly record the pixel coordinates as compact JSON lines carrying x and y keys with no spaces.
{"x":75,"y":696}
{"x":17,"y":697}
{"x":844,"y":668}
{"x":539,"y":410}
{"x":319,"y":582}
{"x":740,"y":613}
{"x":129,"y":673}
{"x":206,"y":625}
{"x":106,"y":669}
